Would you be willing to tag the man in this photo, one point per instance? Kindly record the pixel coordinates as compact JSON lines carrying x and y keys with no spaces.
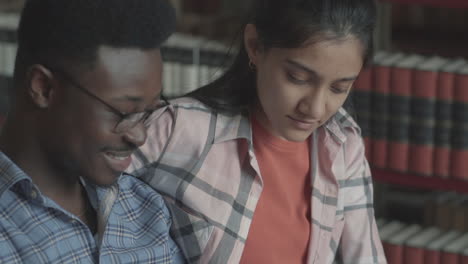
{"x":87,"y":79}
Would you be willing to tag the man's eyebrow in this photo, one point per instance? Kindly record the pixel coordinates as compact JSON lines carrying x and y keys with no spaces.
{"x":314,"y":73}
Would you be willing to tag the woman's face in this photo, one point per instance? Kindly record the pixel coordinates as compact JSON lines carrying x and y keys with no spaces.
{"x":300,"y":89}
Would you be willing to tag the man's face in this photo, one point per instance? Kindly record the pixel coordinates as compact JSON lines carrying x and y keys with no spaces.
{"x":81,"y":138}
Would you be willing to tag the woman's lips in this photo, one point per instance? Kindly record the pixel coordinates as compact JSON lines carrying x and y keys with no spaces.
{"x":302,"y":124}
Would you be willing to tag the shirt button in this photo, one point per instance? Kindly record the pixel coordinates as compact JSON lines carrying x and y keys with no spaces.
{"x":33,"y":194}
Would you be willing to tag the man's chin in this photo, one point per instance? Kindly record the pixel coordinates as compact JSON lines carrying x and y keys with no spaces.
{"x":107,"y":181}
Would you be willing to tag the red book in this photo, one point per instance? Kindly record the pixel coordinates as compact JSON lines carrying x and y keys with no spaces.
{"x":362,"y":104}
{"x":415,"y":247}
{"x":464,"y":256}
{"x":394,"y":246}
{"x":451,"y":254}
{"x":449,"y":258}
{"x":443,"y":119}
{"x":432,"y":253}
{"x":423,"y":95}
{"x":459,"y":155}
{"x":387,"y":230}
{"x":379,"y":119}
{"x":401,"y":83}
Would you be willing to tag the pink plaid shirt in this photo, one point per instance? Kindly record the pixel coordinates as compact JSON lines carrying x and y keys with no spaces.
{"x":205,"y":166}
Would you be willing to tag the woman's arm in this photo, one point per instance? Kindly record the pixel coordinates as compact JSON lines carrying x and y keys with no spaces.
{"x":360,"y":242}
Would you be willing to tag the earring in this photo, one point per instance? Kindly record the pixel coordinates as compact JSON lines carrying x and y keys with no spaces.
{"x":252,"y":65}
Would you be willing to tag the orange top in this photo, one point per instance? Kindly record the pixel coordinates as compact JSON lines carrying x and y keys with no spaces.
{"x":281,"y":224}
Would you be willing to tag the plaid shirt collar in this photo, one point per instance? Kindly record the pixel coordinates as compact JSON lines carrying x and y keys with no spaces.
{"x":339,"y":122}
{"x":12,"y":175}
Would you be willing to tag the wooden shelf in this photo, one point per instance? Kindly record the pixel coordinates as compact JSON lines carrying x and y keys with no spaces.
{"x":436,"y":3}
{"x":419,"y":182}
{"x":431,"y":42}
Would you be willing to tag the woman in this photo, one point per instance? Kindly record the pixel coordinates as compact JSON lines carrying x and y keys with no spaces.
{"x":264,"y":165}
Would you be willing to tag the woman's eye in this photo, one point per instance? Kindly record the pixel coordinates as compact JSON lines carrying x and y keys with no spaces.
{"x":295,"y":79}
{"x":339,"y":90}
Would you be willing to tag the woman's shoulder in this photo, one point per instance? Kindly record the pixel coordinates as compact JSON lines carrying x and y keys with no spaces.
{"x":192,"y":112}
{"x":196,"y":120}
{"x":182,"y":129}
{"x":190,"y":106}
{"x":344,"y":126}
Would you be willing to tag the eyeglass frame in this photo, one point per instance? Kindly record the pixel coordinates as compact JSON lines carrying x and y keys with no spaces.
{"x":145,"y":115}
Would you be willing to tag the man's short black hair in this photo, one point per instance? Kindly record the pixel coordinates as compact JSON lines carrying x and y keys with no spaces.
{"x":58,"y":31}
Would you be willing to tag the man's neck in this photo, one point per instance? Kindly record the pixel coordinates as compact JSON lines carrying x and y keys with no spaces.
{"x":17,"y":142}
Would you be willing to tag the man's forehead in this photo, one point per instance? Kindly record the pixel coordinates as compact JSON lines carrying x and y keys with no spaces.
{"x":116,"y":58}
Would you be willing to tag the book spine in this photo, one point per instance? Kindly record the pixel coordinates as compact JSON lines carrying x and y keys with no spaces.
{"x":421,"y":152}
{"x":8,"y":48}
{"x":431,"y":257}
{"x":449,"y":258}
{"x":393,"y":253}
{"x":362,"y":102}
{"x":413,"y":255}
{"x":167,"y":57}
{"x":399,"y":121}
{"x":459,"y":156}
{"x":464,"y":259}
{"x":443,"y":124}
{"x":379,"y":117}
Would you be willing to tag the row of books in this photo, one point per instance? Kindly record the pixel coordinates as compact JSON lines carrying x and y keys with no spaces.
{"x":414,"y":244}
{"x":441,"y":209}
{"x":413,"y":111}
{"x":191,"y":62}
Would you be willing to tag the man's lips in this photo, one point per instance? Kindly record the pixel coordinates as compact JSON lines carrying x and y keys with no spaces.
{"x":119,"y":155}
{"x":118,"y":160}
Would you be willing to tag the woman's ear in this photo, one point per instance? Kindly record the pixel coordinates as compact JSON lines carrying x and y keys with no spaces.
{"x":40,"y":85}
{"x":252,"y":43}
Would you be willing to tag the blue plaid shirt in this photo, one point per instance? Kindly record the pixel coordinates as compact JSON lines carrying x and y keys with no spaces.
{"x":133,"y":224}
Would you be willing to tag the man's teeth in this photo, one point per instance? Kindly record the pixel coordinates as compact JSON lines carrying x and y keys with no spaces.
{"x":118,"y":157}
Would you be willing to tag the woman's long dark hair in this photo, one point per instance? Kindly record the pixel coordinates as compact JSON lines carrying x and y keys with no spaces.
{"x":287,"y":24}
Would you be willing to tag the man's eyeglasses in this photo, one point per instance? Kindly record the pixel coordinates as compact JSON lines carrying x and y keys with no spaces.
{"x":127,"y":120}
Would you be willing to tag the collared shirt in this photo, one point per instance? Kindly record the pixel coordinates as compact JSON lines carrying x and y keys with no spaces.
{"x":204,"y":164}
{"x":133,"y":224}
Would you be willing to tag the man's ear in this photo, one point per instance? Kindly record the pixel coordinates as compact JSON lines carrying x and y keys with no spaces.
{"x":41,"y":85}
{"x":252,"y":43}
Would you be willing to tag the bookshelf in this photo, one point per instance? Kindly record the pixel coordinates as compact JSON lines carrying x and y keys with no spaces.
{"x":412,"y":26}
{"x":417,"y":181}
{"x":424,"y":26}
{"x":435,"y":3}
